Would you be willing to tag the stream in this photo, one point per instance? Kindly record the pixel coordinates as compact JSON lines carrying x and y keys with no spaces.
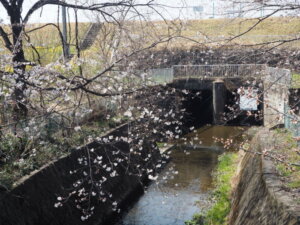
{"x":183,"y":187}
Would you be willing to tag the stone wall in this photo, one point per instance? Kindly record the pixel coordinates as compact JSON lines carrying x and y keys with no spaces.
{"x":259,"y":197}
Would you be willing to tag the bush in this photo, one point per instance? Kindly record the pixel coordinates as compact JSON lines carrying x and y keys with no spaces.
{"x":11,"y":147}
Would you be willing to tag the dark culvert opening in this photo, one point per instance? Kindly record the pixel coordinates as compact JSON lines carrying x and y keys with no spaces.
{"x":199,"y":108}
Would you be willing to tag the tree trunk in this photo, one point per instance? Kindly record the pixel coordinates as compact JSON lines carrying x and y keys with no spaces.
{"x":20,"y":107}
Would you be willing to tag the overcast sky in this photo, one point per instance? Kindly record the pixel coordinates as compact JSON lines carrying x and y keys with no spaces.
{"x":189,"y":9}
{"x":185,"y":9}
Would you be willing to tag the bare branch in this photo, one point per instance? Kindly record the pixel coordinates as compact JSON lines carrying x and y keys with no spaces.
{"x":6,"y":40}
{"x":93,"y":7}
{"x":5,"y":5}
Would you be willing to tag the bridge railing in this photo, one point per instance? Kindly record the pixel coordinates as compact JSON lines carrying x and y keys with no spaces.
{"x":167,"y":75}
{"x":161,"y":76}
{"x":215,"y":71}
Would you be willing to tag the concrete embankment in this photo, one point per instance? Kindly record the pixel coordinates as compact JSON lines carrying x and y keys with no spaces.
{"x":259,"y":196}
{"x":32,"y":201}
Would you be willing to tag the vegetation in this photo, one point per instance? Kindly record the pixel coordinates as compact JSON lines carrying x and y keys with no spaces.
{"x":270,"y":29}
{"x":295,"y":80}
{"x":216,"y":215}
{"x":48,"y":43}
{"x":19,"y":156}
{"x":288,"y":156}
{"x":48,"y":40}
{"x":35,"y":83}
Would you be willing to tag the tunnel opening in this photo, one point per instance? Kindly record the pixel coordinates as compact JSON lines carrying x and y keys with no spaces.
{"x":199,"y":110}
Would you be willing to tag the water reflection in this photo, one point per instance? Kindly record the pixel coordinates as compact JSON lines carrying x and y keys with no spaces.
{"x":182,"y":188}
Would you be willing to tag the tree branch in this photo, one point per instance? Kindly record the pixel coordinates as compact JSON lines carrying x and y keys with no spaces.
{"x":93,"y":7}
{"x":5,"y":5}
{"x":6,"y":40}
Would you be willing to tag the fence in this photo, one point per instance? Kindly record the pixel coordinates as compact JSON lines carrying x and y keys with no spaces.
{"x":292,"y":122}
{"x":160,"y":76}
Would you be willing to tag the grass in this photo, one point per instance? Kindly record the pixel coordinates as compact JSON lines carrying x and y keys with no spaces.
{"x":48,"y":42}
{"x":160,"y":144}
{"x":295,"y":80}
{"x":217,"y":214}
{"x":294,"y":184}
{"x":20,"y":156}
{"x":286,"y":148}
{"x":234,"y":26}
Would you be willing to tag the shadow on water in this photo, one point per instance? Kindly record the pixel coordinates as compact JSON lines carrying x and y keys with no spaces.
{"x":183,"y":187}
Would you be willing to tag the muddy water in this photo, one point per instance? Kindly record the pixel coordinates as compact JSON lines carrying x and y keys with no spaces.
{"x":183,"y":187}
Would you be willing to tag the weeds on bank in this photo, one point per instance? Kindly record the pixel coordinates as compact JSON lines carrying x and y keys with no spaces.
{"x":295,"y":83}
{"x":217,"y":214}
{"x":286,"y":146}
{"x":19,"y":156}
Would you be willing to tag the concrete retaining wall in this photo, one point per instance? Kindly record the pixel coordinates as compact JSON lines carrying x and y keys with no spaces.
{"x":32,"y":201}
{"x":259,"y":197}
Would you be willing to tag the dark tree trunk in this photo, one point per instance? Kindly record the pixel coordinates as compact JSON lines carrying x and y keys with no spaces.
{"x":20,"y":108}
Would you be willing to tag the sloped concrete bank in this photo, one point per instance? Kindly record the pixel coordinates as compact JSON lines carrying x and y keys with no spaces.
{"x":259,"y":196}
{"x":32,"y":201}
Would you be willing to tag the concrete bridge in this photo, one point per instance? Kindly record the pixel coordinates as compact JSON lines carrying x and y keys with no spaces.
{"x":268,"y":86}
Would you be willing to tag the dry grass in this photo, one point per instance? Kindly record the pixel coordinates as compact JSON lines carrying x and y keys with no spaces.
{"x":213,"y":32}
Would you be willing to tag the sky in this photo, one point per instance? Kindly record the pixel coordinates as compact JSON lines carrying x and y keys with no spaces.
{"x":185,"y":9}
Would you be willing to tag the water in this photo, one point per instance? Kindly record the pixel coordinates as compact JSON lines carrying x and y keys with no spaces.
{"x":183,"y":187}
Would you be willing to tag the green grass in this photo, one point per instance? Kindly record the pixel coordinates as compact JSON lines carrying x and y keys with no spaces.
{"x":160,"y":144}
{"x":286,"y":148}
{"x":295,"y":80}
{"x":217,"y":214}
{"x":294,"y":184}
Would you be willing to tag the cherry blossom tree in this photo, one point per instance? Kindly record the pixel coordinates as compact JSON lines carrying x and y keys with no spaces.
{"x":23,"y":74}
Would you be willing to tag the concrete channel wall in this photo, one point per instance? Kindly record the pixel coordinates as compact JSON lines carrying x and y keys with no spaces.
{"x":32,"y":201}
{"x":259,"y":197}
